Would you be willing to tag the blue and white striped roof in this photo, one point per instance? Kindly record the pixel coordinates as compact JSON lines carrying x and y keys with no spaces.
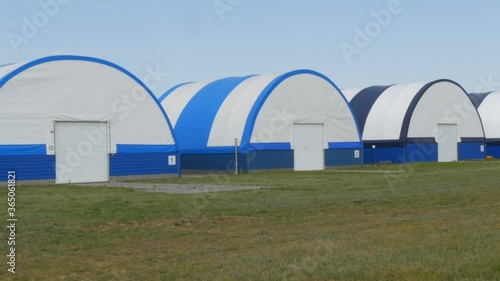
{"x":397,"y":113}
{"x":488,"y":105}
{"x":258,"y":110}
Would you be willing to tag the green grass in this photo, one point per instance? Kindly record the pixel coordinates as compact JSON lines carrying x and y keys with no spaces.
{"x":427,"y":222}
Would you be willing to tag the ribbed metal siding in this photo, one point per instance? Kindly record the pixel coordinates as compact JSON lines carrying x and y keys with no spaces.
{"x":28,"y":167}
{"x":471,"y":151}
{"x":343,"y":157}
{"x":128,"y":164}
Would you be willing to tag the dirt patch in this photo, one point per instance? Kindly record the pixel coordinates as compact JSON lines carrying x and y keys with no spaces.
{"x":177,"y":188}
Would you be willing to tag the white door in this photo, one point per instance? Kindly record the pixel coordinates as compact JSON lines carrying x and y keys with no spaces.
{"x":81,"y":152}
{"x":308,"y":151}
{"x":447,"y":143}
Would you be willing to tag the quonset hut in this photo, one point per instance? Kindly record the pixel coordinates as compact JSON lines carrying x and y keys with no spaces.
{"x":488,"y":105}
{"x":79,"y":119}
{"x":418,"y":122}
{"x":298,"y":120}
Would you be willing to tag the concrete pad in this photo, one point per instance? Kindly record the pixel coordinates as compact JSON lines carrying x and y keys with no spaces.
{"x":176,"y":188}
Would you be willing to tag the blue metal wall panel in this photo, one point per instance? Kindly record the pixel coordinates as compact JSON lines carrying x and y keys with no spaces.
{"x":28,"y":167}
{"x":493,"y":150}
{"x":394,"y":154}
{"x":343,"y":157}
{"x":221,"y":162}
{"x":270,"y":159}
{"x":471,"y":151}
{"x":129,"y":164}
{"x":422,"y":152}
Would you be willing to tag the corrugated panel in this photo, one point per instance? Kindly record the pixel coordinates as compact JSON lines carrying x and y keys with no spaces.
{"x":394,"y":154}
{"x":266,"y":159}
{"x":28,"y":167}
{"x":223,"y":162}
{"x":493,"y":150}
{"x":471,"y":151}
{"x":343,"y":157}
{"x":422,"y":152}
{"x":128,"y":164}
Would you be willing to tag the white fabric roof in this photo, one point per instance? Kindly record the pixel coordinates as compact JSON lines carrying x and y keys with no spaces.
{"x":68,"y":88}
{"x":414,"y":110}
{"x":490,"y":115}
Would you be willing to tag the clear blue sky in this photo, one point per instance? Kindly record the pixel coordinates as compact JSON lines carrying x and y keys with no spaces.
{"x":189,"y":39}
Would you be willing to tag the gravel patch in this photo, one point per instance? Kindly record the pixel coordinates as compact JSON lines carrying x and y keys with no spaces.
{"x":176,"y":188}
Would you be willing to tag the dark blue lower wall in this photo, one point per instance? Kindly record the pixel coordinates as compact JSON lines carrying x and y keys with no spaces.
{"x":395,"y":154}
{"x":421,"y":152}
{"x":424,"y":151}
{"x":42,"y":167}
{"x":343,"y":157}
{"x":214,"y":161}
{"x":270,"y":159}
{"x":28,"y":167}
{"x":130,"y":164}
{"x":265,"y":159}
{"x":493,"y":150}
{"x":471,"y":150}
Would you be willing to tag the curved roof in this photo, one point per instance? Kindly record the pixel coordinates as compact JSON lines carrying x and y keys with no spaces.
{"x":488,"y":105}
{"x":212,"y":114}
{"x":400,"y":112}
{"x":76,"y":88}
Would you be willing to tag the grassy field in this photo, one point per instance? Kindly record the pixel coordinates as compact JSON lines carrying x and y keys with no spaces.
{"x":414,"y":222}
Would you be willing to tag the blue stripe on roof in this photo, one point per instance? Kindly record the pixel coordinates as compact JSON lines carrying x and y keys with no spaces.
{"x":477,"y":99}
{"x":6,"y":78}
{"x":363,"y":102}
{"x":254,"y":112}
{"x":195,"y":122}
{"x":171,"y":90}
